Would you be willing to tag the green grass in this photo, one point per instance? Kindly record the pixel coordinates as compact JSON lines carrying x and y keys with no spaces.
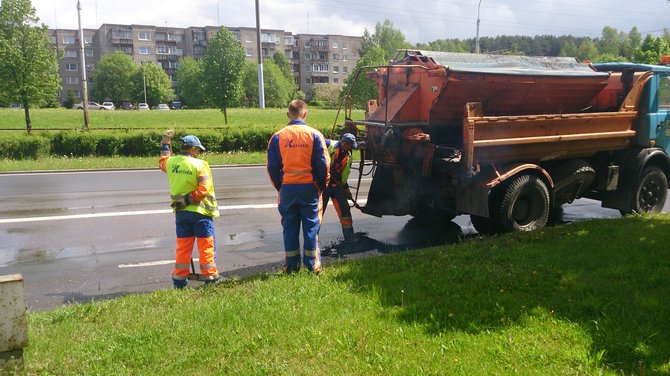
{"x":80,"y":163}
{"x":60,"y":118}
{"x":584,"y":298}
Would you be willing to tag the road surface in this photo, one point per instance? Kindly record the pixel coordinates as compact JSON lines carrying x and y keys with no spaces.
{"x":91,"y":235}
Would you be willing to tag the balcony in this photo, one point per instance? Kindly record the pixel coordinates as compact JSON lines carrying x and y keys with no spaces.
{"x":320,"y":73}
{"x":166,"y":57}
{"x":122,"y":42}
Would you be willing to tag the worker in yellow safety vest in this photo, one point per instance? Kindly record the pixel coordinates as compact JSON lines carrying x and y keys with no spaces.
{"x":194,"y":203}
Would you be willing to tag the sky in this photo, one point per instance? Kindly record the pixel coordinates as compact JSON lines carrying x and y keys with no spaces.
{"x":420,"y":21}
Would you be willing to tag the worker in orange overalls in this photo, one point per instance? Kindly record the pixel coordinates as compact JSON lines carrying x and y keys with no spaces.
{"x":195,"y":206}
{"x":338,"y":188}
{"x":298,"y":165}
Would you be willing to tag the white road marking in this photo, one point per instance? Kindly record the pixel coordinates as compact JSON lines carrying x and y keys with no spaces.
{"x":130,"y":213}
{"x":123,"y":214}
{"x":151,"y":263}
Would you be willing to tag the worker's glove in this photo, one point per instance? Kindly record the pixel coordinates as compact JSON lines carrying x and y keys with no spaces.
{"x":347,"y":194}
{"x":180,"y":203}
{"x":167,"y":137}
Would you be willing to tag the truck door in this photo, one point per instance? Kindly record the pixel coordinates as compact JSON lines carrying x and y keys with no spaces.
{"x":662,"y":123}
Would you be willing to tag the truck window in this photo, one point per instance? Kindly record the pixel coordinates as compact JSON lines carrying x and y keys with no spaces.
{"x":664,"y":93}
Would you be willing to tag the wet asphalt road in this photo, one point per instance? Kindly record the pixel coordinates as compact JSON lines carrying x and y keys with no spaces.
{"x":83,"y":236}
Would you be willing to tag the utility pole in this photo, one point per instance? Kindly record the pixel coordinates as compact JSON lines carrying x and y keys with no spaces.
{"x":477,"y":38}
{"x":261,"y":90}
{"x":82,"y":62}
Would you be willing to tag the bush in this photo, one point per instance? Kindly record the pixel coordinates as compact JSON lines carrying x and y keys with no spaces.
{"x":24,"y":146}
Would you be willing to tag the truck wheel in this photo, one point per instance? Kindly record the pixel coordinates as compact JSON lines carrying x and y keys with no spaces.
{"x":525,"y":205}
{"x":651,"y":191}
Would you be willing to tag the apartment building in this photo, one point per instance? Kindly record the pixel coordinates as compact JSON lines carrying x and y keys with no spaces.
{"x":315,"y":58}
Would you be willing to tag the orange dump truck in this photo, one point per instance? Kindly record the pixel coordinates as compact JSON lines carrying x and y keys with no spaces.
{"x":507,"y":139}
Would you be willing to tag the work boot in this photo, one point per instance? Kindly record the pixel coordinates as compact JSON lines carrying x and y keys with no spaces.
{"x":179,"y":283}
{"x":349,"y":234}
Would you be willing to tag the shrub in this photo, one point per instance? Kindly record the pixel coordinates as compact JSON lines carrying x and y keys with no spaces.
{"x":24,"y":146}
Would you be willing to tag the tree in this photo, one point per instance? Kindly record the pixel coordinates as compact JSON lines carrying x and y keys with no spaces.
{"x":587,"y":50}
{"x":277,"y":87}
{"x":222,"y":65}
{"x":28,"y":63}
{"x":357,"y":85}
{"x":631,"y":43}
{"x":285,"y":66}
{"x":328,"y":94}
{"x":112,"y":78}
{"x":158,"y":85}
{"x":191,"y":82}
{"x":651,"y":50}
{"x":387,"y":37}
{"x":610,"y":41}
{"x":569,"y":49}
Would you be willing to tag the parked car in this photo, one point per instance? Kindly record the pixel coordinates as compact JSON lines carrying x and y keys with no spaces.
{"x":108,"y":106}
{"x":162,"y":106}
{"x":91,"y":106}
{"x":126,"y":106}
{"x":16,"y":105}
{"x":176,"y":105}
{"x":142,"y":106}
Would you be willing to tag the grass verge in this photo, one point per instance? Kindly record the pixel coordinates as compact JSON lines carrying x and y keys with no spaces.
{"x":582,"y":298}
{"x":54,"y":163}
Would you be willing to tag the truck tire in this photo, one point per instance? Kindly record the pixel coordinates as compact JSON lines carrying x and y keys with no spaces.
{"x":650,"y":192}
{"x":525,"y":204}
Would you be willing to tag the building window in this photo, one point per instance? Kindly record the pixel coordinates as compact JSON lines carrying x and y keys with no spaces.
{"x":308,"y":43}
{"x":250,"y":52}
{"x":178,"y":52}
{"x":323,"y":56}
{"x":345,"y":69}
{"x":162,"y":50}
{"x":88,"y":40}
{"x":322,"y":43}
{"x":68,"y":40}
{"x":70,"y":53}
{"x":345,"y":45}
{"x":308,"y":81}
{"x":160,"y":36}
{"x":345,"y":57}
{"x":308,"y":56}
{"x":144,"y":35}
{"x":145,"y":50}
{"x":320,"y":67}
{"x":121,"y":34}
{"x":336,"y":56}
{"x":289,"y":41}
{"x":336,"y":44}
{"x":176,"y":38}
{"x":269,"y":38}
{"x":70,"y":67}
{"x":72,"y":80}
{"x":336,"y":69}
{"x":89,"y":52}
{"x":308,"y":68}
{"x":336,"y":80}
{"x":90,"y":67}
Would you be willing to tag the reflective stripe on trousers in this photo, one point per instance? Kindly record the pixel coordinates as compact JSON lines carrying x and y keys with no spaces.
{"x":194,"y":228}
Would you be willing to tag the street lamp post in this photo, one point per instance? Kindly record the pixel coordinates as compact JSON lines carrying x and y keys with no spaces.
{"x":82,"y":62}
{"x":477,"y":38}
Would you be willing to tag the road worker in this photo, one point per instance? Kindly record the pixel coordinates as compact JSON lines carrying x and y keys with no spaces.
{"x":298,"y":164}
{"x":195,"y":206}
{"x":338,"y":189}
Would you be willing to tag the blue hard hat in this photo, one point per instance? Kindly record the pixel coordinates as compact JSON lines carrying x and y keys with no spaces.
{"x":192,"y":141}
{"x":350,"y":138}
